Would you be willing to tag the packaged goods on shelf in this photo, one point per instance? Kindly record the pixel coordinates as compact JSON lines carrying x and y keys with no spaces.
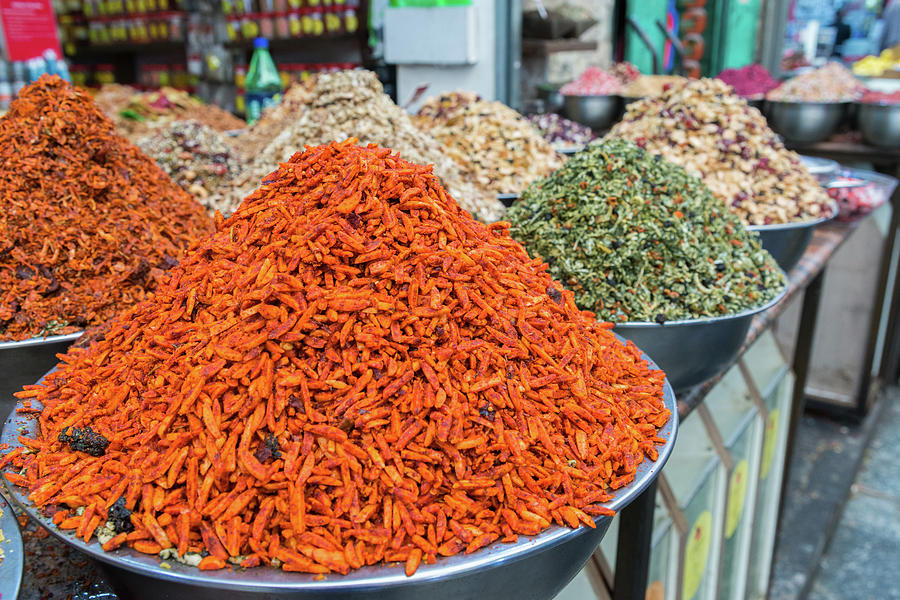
{"x":318,"y":337}
{"x":89,"y":223}
{"x":704,"y":127}
{"x":637,"y":238}
{"x":336,"y":106}
{"x":495,"y":146}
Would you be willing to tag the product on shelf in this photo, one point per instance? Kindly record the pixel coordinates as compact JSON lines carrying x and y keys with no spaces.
{"x":348,"y":346}
{"x":704,"y":127}
{"x":752,"y":81}
{"x":561,"y":132}
{"x":637,"y":238}
{"x":873,"y":97}
{"x":88,"y":222}
{"x":650,"y":85}
{"x":345,"y":104}
{"x":196,"y":157}
{"x":495,"y":146}
{"x":594,"y":81}
{"x":832,"y":82}
{"x":144,"y":111}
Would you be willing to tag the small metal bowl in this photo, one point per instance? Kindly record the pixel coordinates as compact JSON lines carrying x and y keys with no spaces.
{"x":553,"y":100}
{"x":692,"y":351}
{"x":787,"y":242}
{"x":880,"y":124}
{"x":597,"y":112}
{"x":13,"y":562}
{"x":756,"y":102}
{"x":805,"y":122}
{"x":508,"y":199}
{"x":23,"y":363}
{"x":533,"y":568}
{"x":820,"y":168}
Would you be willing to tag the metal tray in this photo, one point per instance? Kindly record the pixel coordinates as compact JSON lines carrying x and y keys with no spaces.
{"x":692,"y":351}
{"x":787,"y":242}
{"x":13,"y":561}
{"x":23,"y":363}
{"x":535,"y":568}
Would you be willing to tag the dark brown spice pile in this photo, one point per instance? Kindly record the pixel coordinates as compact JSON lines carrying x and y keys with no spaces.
{"x":88,"y":222}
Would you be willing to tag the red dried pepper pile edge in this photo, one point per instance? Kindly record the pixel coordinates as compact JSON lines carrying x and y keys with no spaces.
{"x":351,"y":370}
{"x":88,"y":223}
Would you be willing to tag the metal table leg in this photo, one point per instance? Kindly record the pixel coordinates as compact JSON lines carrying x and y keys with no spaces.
{"x":633,"y":550}
{"x":803,"y":350}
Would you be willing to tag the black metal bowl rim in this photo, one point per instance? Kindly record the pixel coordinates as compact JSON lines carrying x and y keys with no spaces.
{"x":835,"y":209}
{"x":811,"y":102}
{"x":880,"y":103}
{"x":748,"y":312}
{"x":264,"y":579}
{"x":39,"y":341}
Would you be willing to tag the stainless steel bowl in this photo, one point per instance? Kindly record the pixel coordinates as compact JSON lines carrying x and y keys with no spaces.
{"x":787,"y":242}
{"x":880,"y":124}
{"x":23,"y":363}
{"x":13,"y":561}
{"x":597,"y":112}
{"x":553,"y":100}
{"x":532,"y":568}
{"x":692,"y":351}
{"x":805,"y":122}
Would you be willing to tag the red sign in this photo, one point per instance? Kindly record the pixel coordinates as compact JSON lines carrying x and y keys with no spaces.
{"x":29,"y":28}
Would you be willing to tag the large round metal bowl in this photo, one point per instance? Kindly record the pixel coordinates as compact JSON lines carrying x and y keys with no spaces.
{"x":23,"y":363}
{"x":692,"y":351}
{"x":597,"y":112}
{"x":787,"y":242}
{"x":805,"y":122}
{"x":13,"y":560}
{"x":880,"y":124}
{"x":533,"y":568}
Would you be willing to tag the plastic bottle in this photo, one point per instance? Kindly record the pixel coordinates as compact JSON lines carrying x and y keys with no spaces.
{"x":263,"y":87}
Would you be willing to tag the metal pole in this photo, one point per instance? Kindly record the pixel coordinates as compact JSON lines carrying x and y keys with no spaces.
{"x":808,"y":316}
{"x":633,"y":549}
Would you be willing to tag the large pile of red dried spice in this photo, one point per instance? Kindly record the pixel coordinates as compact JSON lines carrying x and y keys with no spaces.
{"x":87,"y":222}
{"x":350,"y":370}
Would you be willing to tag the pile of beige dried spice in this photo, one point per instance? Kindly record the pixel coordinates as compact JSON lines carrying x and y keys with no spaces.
{"x":707,"y":129}
{"x":494,"y":145}
{"x":337,"y":106}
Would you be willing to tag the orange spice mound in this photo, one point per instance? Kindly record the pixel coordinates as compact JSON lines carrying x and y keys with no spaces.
{"x":350,"y":371}
{"x":88,"y":223}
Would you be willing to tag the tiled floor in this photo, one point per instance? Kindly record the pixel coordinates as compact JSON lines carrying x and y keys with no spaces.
{"x":841,"y":533}
{"x":863,"y":558}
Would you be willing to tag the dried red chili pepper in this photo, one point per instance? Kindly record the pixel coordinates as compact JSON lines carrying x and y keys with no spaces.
{"x":351,"y":370}
{"x":88,"y":223}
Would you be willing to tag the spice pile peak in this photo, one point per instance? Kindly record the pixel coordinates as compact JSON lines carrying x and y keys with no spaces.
{"x":88,"y":223}
{"x":350,"y":371}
